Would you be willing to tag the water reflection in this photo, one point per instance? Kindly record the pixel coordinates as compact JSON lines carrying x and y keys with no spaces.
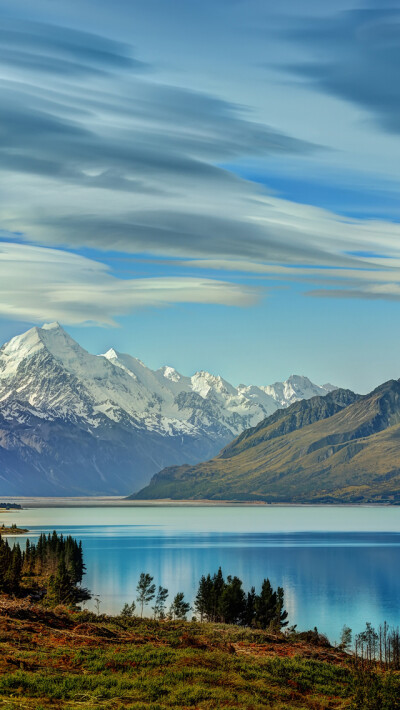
{"x":329,"y":578}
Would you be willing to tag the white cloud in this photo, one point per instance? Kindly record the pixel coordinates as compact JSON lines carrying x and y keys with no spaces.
{"x":38,"y":284}
{"x":98,"y":153}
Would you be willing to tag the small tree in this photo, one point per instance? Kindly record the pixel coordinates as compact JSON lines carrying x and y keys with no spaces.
{"x":159,"y":606}
{"x":179,"y":608}
{"x":204,"y":598}
{"x":281,"y":614}
{"x":345,"y":638}
{"x":128,"y":610}
{"x":97,"y":602}
{"x":146,"y":590}
{"x":250,"y":607}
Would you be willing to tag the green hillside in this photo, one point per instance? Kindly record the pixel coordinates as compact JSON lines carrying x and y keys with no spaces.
{"x":337,"y":448}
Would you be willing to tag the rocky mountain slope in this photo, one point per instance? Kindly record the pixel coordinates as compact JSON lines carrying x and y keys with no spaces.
{"x":339,"y":448}
{"x":76,"y":423}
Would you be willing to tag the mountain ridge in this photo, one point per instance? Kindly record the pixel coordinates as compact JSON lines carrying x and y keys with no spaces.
{"x":77,"y":423}
{"x":339,"y":448}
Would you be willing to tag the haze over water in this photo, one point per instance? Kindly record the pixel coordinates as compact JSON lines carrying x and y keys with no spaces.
{"x":338,"y":565}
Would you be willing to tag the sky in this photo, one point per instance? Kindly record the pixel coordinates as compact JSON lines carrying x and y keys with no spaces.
{"x":207,"y":185}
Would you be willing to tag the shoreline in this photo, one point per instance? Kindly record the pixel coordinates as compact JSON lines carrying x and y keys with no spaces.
{"x":11,"y":532}
{"x":28,"y":502}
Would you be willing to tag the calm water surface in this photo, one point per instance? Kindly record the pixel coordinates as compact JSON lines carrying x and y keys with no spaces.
{"x":337,"y":564}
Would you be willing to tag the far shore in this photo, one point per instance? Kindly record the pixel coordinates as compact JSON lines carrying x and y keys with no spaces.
{"x":118,"y":501}
{"x":9,"y":532}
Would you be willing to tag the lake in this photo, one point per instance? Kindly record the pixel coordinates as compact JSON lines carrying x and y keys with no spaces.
{"x":338,"y":565}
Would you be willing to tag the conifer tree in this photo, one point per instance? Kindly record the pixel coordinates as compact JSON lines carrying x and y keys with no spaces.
{"x":61,"y":588}
{"x":217,"y":589}
{"x":12,"y":574}
{"x":179,"y":608}
{"x":204,"y":598}
{"x":57,"y":561}
{"x":232,"y":604}
{"x":250,"y":610}
{"x":128,"y":610}
{"x":280,"y":615}
{"x":265,"y":605}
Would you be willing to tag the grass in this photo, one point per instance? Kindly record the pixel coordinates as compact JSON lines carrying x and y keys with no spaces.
{"x":59,"y":659}
{"x":65,"y":660}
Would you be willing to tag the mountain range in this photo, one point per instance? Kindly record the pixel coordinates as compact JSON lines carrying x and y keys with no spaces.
{"x":341,"y":448}
{"x":73,"y":423}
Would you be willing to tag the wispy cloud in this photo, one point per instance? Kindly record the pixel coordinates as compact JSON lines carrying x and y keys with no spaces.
{"x":48,"y":49}
{"x":38,"y":283}
{"x":95,"y":152}
{"x":355,"y":56}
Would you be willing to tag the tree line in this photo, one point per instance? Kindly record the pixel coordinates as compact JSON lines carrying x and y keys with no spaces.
{"x":380,"y":645}
{"x":217,"y":600}
{"x":53,"y":565}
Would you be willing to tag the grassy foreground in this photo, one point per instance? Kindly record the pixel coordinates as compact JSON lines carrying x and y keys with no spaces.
{"x":62,"y":659}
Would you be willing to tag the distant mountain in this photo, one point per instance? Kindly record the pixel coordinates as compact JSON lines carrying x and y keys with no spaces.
{"x":339,"y":448}
{"x":72,"y":423}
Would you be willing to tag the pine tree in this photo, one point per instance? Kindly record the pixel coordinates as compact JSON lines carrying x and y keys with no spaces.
{"x":58,"y":561}
{"x":265,"y":605}
{"x":128,"y":610}
{"x":250,"y":611}
{"x":12,"y":574}
{"x":61,"y":589}
{"x":218,"y":583}
{"x":179,"y":608}
{"x":281,"y":615}
{"x":232,"y":604}
{"x":203,"y":601}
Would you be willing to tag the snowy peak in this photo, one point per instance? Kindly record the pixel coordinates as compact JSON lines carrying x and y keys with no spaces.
{"x":52,"y":326}
{"x":20,"y":348}
{"x":111,"y":354}
{"x":294,"y":388}
{"x":204,"y":383}
{"x":49,"y":370}
{"x":170,"y":373}
{"x":51,"y":337}
{"x":35,"y":340}
{"x":102,"y":424}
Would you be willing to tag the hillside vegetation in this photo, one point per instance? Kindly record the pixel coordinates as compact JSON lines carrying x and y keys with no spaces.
{"x":340,"y":448}
{"x":87,"y":661}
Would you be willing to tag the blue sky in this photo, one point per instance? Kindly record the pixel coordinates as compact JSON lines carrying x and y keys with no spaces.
{"x":208,"y":185}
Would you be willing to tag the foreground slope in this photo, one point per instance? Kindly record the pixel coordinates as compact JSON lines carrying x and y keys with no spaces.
{"x":340,"y":448}
{"x":87,"y":661}
{"x":73,"y":423}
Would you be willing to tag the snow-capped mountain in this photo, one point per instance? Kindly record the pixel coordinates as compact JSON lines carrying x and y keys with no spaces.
{"x":76,"y":423}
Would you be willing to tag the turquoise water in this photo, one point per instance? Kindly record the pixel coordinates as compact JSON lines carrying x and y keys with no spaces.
{"x":338,"y":565}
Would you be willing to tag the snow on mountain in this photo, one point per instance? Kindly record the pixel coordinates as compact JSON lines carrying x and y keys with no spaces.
{"x":295,"y":388}
{"x":73,"y":422}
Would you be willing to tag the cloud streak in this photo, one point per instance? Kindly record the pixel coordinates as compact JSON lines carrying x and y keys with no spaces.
{"x":95,"y":152}
{"x":355,"y":56}
{"x":38,"y":283}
